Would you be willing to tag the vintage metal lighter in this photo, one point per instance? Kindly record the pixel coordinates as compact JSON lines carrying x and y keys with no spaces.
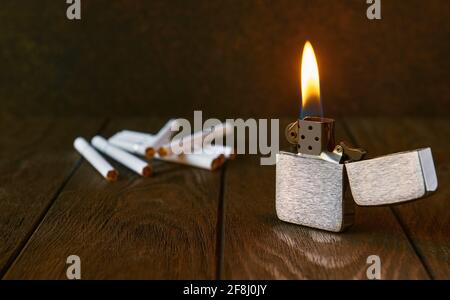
{"x":312,"y":184}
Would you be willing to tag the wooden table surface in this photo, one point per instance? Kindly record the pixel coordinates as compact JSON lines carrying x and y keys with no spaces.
{"x":186,"y":223}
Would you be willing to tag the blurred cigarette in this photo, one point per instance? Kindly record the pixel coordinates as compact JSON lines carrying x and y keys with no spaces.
{"x":227,"y":151}
{"x":130,"y":161}
{"x":199,"y":160}
{"x":164,"y":134}
{"x":133,"y":147}
{"x":133,"y":136}
{"x":189,"y":143}
{"x":95,"y":159}
{"x":143,"y":143}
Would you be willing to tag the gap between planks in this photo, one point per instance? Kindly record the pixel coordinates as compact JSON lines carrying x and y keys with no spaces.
{"x":41,"y":218}
{"x":220,"y":229}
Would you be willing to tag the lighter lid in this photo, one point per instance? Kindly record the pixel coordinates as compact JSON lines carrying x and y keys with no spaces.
{"x":393,"y":178}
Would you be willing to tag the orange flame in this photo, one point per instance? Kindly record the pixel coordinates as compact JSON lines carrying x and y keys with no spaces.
{"x":310,"y":83}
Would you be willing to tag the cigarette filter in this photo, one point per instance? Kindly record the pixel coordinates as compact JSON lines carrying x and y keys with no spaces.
{"x":95,"y":159}
{"x":393,"y":178}
{"x":130,"y":161}
{"x":199,"y":160}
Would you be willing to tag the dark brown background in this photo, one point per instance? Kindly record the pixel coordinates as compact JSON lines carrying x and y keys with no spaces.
{"x":228,"y":58}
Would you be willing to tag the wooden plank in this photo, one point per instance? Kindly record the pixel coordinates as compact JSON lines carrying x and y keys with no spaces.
{"x":161,"y":227}
{"x":259,"y":246}
{"x":36,"y":158}
{"x":427,"y":222}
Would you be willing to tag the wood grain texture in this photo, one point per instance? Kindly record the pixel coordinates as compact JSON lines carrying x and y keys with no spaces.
{"x":161,"y":227}
{"x":427,"y":221}
{"x":259,"y":246}
{"x":36,"y":158}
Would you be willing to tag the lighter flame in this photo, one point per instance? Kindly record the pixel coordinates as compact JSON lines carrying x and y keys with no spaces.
{"x":310,"y":82}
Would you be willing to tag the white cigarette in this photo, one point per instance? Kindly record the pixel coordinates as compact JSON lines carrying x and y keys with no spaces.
{"x":133,"y":136}
{"x":164,"y":134}
{"x":133,"y":147}
{"x":95,"y":159}
{"x":211,"y":158}
{"x":143,"y":143}
{"x":200,"y":160}
{"x":196,"y":139}
{"x":130,"y":161}
{"x":227,"y":151}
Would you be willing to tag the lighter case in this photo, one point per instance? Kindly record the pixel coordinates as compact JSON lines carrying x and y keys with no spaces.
{"x":314,"y":192}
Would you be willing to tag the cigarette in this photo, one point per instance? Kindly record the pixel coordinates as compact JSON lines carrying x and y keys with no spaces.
{"x":227,"y":151}
{"x":199,"y":160}
{"x":196,"y":139}
{"x":164,"y":134}
{"x":143,"y":143}
{"x":211,"y":158}
{"x":95,"y":159}
{"x":140,"y":148}
{"x":130,"y":161}
{"x":133,"y":136}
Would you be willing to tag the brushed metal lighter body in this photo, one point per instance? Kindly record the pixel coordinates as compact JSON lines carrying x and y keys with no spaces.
{"x":393,"y":178}
{"x":311,"y":192}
